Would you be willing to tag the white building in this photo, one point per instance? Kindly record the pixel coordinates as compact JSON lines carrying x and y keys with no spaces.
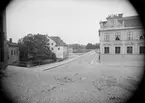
{"x":121,"y":38}
{"x":13,"y":52}
{"x":58,"y":47}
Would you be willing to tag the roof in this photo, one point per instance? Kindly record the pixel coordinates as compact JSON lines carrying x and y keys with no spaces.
{"x":129,"y":21}
{"x":131,"y":17}
{"x":132,"y":21}
{"x":58,"y":41}
{"x":11,"y":44}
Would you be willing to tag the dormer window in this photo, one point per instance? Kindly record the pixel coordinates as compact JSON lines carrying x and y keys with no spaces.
{"x":129,"y":36}
{"x":117,"y":36}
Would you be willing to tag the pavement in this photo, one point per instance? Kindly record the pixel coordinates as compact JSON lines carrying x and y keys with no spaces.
{"x":72,"y":58}
{"x":82,"y":80}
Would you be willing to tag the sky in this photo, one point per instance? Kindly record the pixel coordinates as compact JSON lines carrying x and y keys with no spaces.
{"x":74,"y":21}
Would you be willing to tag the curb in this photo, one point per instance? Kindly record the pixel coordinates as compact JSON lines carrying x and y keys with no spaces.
{"x":67,"y":61}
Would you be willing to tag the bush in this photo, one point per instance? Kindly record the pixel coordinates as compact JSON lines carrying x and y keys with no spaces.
{"x":53,"y":56}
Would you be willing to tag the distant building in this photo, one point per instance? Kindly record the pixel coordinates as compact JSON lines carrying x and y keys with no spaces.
{"x":13,"y":52}
{"x":58,"y":47}
{"x":121,"y":38}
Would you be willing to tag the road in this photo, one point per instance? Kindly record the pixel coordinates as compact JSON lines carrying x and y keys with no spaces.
{"x":84,"y":80}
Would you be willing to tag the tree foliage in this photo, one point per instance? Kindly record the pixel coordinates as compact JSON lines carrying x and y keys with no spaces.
{"x":77,"y":46}
{"x":34,"y":47}
{"x":93,"y":46}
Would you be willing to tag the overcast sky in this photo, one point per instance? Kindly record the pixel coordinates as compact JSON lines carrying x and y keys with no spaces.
{"x":74,"y":21}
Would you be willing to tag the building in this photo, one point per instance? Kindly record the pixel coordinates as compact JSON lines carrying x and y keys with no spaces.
{"x":13,"y":52}
{"x":121,"y":38}
{"x":58,"y":47}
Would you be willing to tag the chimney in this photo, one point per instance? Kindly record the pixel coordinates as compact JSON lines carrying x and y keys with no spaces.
{"x":10,"y":40}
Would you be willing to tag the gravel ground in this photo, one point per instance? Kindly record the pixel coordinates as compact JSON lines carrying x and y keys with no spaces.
{"x":76,"y":82}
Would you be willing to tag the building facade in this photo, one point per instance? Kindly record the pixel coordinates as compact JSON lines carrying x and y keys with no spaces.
{"x":121,"y":38}
{"x":13,"y":53}
{"x":58,"y":47}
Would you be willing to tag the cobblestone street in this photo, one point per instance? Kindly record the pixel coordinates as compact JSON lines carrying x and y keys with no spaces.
{"x":80,"y":81}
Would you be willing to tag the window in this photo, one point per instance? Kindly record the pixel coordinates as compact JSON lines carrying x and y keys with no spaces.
{"x":106,"y":50}
{"x":129,"y":36}
{"x":117,"y":50}
{"x":129,"y":49}
{"x":142,"y":35}
{"x":117,"y":36}
{"x":11,"y":52}
{"x":106,"y":36}
{"x":112,"y":21}
{"x":58,"y":48}
{"x":141,"y":49}
{"x":14,"y":52}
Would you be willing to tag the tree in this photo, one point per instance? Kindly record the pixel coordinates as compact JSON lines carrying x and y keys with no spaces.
{"x":93,"y":46}
{"x":35,"y":47}
{"x":97,"y":45}
{"x":77,"y":46}
{"x":90,"y":46}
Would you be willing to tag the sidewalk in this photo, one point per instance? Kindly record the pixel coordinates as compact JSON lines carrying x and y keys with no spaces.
{"x":125,"y":63}
{"x":53,"y":65}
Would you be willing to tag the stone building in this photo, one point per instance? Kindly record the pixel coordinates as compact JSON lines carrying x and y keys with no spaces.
{"x":121,"y":38}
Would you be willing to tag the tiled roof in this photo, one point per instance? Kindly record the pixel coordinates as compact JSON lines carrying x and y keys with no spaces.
{"x":132,"y":21}
{"x":58,"y":41}
{"x":129,"y":21}
{"x":11,"y":44}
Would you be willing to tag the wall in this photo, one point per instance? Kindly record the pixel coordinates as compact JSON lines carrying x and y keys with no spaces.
{"x":58,"y":53}
{"x":50,"y":44}
{"x":65,"y":52}
{"x":121,"y":58}
{"x":13,"y":58}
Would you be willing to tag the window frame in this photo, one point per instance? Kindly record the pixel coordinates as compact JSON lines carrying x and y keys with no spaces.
{"x":140,"y":51}
{"x":142,"y":35}
{"x":11,"y":52}
{"x":106,"y":36}
{"x":106,"y":50}
{"x":116,"y":52}
{"x":130,"y":35}
{"x":118,"y":34}
{"x":129,"y":48}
